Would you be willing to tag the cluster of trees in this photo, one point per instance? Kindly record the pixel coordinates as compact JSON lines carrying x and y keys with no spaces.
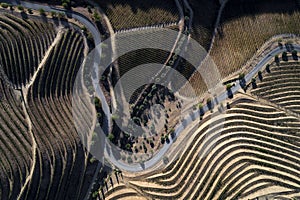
{"x":21,"y":8}
{"x":96,"y":16}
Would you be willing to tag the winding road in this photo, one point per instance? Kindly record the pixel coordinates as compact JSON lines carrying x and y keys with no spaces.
{"x":180,"y":127}
{"x":189,"y":119}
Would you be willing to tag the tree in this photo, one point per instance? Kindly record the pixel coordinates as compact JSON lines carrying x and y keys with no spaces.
{"x":136,"y":149}
{"x":210,"y":104}
{"x":228,"y":105}
{"x":95,"y":194}
{"x":29,"y":10}
{"x":228,"y":86}
{"x":229,"y":92}
{"x":42,"y":11}
{"x":4,"y":5}
{"x":284,"y":56}
{"x":96,"y":16}
{"x":294,"y":54}
{"x":200,"y":106}
{"x":53,"y":14}
{"x":151,"y":143}
{"x":65,"y":5}
{"x":97,"y":102}
{"x":208,"y":101}
{"x":260,"y":75}
{"x":162,"y":139}
{"x":277,"y":59}
{"x":128,"y":146}
{"x":241,"y":76}
{"x":167,"y":139}
{"x":21,"y":8}
{"x":268,"y":68}
{"x":253,"y":81}
{"x":111,"y":137}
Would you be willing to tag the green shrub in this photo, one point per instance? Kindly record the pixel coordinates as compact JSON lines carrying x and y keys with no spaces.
{"x":42,"y":11}
{"x":97,"y":102}
{"x":111,"y":137}
{"x":21,"y":8}
{"x":228,"y":86}
{"x":53,"y":14}
{"x":65,"y":5}
{"x":4,"y":5}
{"x":241,"y":76}
{"x":96,"y":16}
{"x":128,"y":146}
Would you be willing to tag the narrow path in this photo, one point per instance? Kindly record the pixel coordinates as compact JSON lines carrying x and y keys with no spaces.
{"x":113,"y":46}
{"x":42,"y":63}
{"x":34,"y":147}
{"x":220,"y":12}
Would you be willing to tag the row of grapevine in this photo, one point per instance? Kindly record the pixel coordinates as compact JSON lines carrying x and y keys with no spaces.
{"x":244,"y":28}
{"x":131,"y":14}
{"x":252,"y":149}
{"x":63,"y":166}
{"x":24,"y":43}
{"x":281,"y":86}
{"x":15,"y":143}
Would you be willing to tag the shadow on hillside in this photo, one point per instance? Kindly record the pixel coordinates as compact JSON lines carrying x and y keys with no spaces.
{"x":205,"y":16}
{"x":145,"y":5}
{"x":239,"y":8}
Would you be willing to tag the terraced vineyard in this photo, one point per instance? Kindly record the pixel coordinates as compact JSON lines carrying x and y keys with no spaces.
{"x":50,"y":111}
{"x":282,"y":86}
{"x":246,"y":26}
{"x":252,"y":152}
{"x":23,"y":44}
{"x":43,"y":157}
{"x":16,"y":154}
{"x":131,"y":14}
{"x":256,"y":150}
